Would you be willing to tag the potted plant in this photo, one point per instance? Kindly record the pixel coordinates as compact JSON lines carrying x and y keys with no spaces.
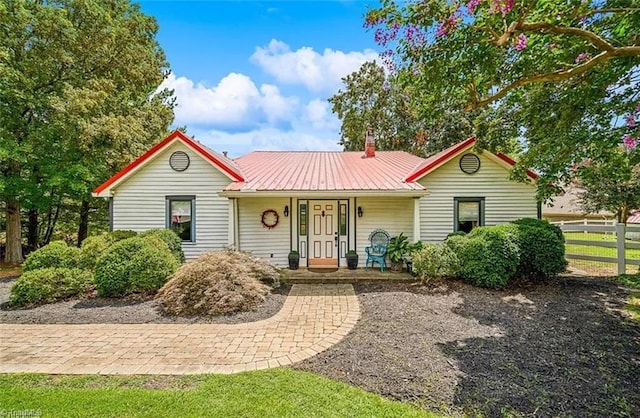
{"x":396,"y":250}
{"x":413,"y":248}
{"x":352,"y":260}
{"x":294,"y":260}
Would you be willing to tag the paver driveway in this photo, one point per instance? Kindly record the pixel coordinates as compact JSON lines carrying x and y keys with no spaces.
{"x":312,"y":319}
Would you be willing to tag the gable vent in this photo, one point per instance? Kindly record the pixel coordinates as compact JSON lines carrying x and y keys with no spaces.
{"x":179,"y":161}
{"x":470,"y":163}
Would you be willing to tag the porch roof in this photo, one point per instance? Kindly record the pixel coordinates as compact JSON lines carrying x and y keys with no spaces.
{"x":278,"y":171}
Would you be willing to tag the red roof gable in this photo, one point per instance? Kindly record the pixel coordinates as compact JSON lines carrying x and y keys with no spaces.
{"x":435,"y":161}
{"x":225,"y":164}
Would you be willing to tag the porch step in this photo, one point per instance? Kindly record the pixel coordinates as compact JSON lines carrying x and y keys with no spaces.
{"x":305,"y":276}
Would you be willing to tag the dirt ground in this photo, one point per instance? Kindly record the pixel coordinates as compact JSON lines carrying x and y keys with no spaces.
{"x":130,"y":310}
{"x":558,"y":349}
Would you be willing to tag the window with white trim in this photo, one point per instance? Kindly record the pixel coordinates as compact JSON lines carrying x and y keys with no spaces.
{"x":181,"y":212}
{"x":468,"y":213}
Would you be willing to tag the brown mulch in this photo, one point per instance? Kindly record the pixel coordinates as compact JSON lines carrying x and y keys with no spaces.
{"x":562,"y":348}
{"x":135,"y":309}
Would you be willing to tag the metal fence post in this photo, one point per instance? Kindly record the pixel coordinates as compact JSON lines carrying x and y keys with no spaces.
{"x":620,"y":235}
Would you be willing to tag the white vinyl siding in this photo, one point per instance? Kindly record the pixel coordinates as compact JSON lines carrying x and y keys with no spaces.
{"x":270,"y":244}
{"x":505,"y":200}
{"x":395,"y":215}
{"x":140,"y":202}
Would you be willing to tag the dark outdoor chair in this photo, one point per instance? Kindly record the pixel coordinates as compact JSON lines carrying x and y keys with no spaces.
{"x":377,"y":251}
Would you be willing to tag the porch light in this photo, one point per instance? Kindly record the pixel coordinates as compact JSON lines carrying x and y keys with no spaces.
{"x":286,"y":210}
{"x":360,"y":212}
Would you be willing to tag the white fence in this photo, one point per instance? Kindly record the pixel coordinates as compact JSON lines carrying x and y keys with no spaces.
{"x":621,"y":243}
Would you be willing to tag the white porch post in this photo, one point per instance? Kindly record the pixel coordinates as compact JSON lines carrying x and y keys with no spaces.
{"x":232,"y":223}
{"x":416,"y":219}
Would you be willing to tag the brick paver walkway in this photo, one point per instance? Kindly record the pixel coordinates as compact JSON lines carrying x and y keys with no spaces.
{"x":312,"y":319}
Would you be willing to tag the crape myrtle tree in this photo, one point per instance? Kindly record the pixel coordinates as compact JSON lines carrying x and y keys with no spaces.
{"x":563,"y":74}
{"x":77,"y":79}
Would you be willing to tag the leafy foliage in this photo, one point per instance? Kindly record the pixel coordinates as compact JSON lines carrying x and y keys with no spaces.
{"x":48,"y":285}
{"x":120,"y":234}
{"x":218,"y":283}
{"x":489,"y":255}
{"x":55,"y":254}
{"x":398,"y":247}
{"x":435,"y":261}
{"x":170,"y":238}
{"x":74,"y":73}
{"x":134,"y":265}
{"x":92,"y":249}
{"x":541,"y":249}
{"x":560,"y":77}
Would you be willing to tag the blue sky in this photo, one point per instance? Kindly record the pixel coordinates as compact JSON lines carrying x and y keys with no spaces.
{"x":256,"y":75}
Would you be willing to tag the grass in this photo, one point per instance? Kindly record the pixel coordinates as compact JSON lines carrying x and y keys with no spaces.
{"x":633,"y":304}
{"x":269,"y":393}
{"x":598,"y":267}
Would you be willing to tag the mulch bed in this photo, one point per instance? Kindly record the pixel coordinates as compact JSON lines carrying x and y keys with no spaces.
{"x":130,"y":310}
{"x":558,"y":349}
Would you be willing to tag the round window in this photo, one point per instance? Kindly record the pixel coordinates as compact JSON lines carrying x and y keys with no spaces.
{"x":470,"y":163}
{"x":179,"y":161}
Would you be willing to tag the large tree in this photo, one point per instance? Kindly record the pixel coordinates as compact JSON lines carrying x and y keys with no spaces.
{"x":560,"y":74}
{"x":373,"y":99}
{"x":52,"y":53}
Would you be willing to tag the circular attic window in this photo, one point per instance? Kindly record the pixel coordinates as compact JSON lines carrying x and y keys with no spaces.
{"x":470,"y":163}
{"x":179,"y":161}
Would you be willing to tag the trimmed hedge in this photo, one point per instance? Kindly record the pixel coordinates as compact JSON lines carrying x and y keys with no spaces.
{"x":134,"y":265}
{"x":91,"y":250}
{"x":48,"y":285}
{"x":120,"y":234}
{"x":489,"y":255}
{"x":170,"y":238}
{"x":435,"y":261}
{"x":56,"y":254}
{"x":541,"y":249}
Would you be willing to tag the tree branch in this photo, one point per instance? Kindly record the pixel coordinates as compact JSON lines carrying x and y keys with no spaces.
{"x":559,"y":75}
{"x":595,"y":39}
{"x":614,"y":10}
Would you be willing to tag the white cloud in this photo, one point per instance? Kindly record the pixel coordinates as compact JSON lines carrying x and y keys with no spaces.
{"x":317,"y":72}
{"x":238,"y":116}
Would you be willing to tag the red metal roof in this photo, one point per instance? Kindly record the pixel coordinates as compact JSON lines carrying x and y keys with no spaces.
{"x":634,"y":218}
{"x":319,"y":171}
{"x":225,"y":164}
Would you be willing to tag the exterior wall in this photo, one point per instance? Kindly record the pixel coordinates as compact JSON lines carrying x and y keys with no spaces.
{"x":269,"y":244}
{"x":505,"y":200}
{"x":395,"y":215}
{"x":140,"y":202}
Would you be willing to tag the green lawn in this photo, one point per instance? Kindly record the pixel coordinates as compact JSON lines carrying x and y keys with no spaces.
{"x":598,"y":267}
{"x":268,"y":393}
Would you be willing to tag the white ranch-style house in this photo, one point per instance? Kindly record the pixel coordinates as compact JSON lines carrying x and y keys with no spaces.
{"x":321,"y":204}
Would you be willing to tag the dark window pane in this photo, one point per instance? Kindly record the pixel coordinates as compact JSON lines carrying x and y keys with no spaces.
{"x":468,"y":216}
{"x":303,"y":219}
{"x":343,"y":220}
{"x":180,"y":222}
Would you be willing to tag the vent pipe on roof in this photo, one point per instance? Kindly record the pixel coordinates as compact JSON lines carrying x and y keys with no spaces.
{"x":369,"y":145}
{"x":225,"y":153}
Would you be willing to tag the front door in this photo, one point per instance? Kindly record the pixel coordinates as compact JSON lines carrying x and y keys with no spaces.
{"x":323,"y":237}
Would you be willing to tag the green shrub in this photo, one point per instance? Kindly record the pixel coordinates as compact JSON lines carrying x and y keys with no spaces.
{"x":455,"y":241}
{"x":541,"y":223}
{"x":48,"y":285}
{"x":489,"y":255}
{"x":220,"y":282}
{"x":435,"y":261}
{"x":457,"y":234}
{"x":541,"y":249}
{"x":91,"y":250}
{"x":56,"y":254}
{"x":170,"y":238}
{"x":397,"y":248}
{"x":134,"y":265}
{"x":120,"y":234}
